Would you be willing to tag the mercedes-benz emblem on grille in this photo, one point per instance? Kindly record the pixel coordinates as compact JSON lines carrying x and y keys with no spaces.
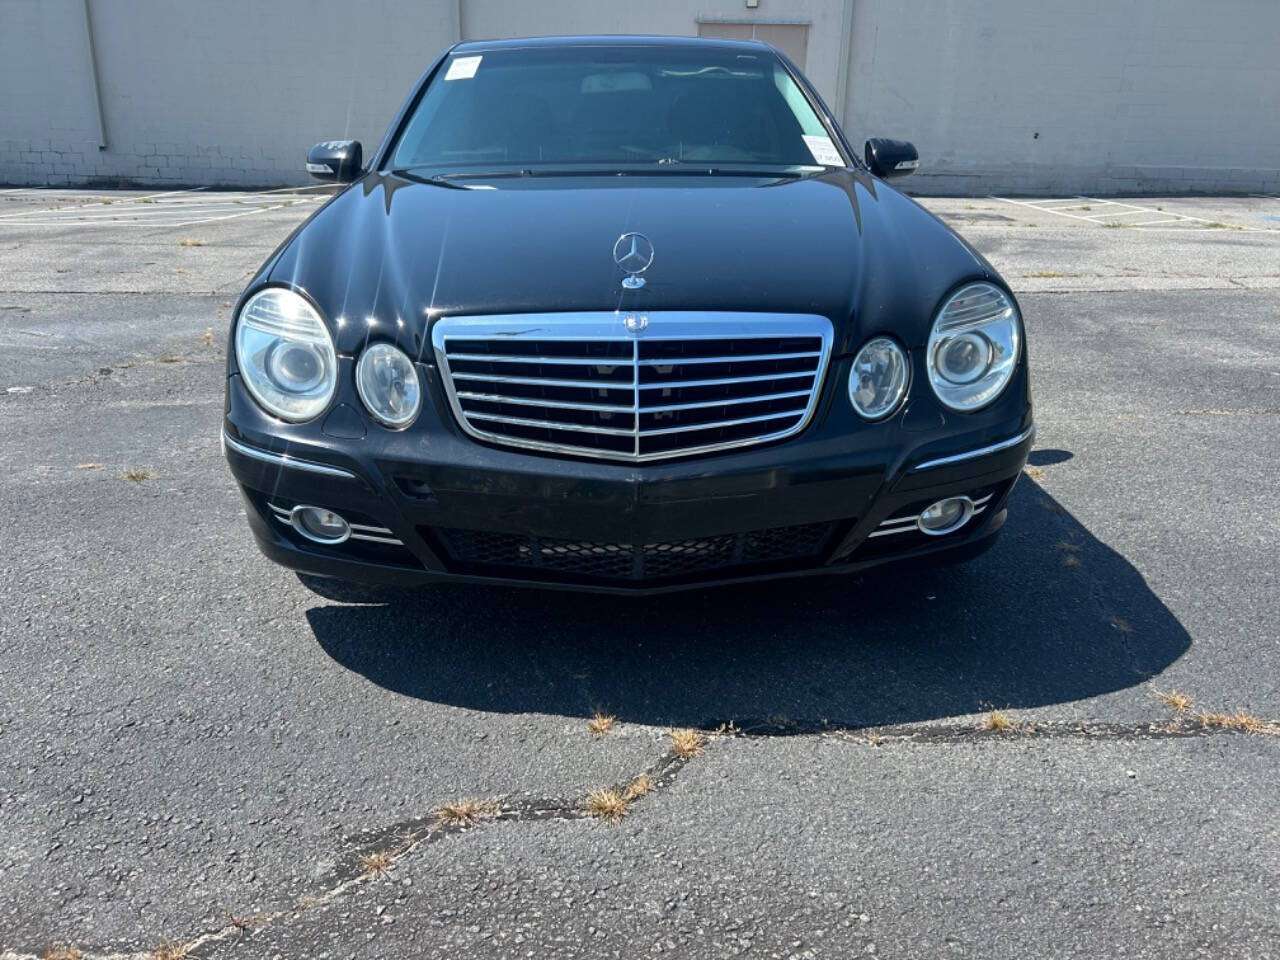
{"x":633,"y":253}
{"x":635,"y":322}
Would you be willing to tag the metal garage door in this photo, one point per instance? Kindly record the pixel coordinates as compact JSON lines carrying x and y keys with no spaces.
{"x":791,"y":38}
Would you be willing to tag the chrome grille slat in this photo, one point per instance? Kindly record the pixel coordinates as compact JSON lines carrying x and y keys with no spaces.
{"x":549,"y":424}
{"x":561,"y":404}
{"x":725,"y":380}
{"x":516,"y":358}
{"x":696,"y":361}
{"x":689,"y":428}
{"x":706,"y":404}
{"x":583,"y":385}
{"x":545,"y":382}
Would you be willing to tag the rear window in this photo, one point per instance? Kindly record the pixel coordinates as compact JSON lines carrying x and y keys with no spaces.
{"x":623,"y":105}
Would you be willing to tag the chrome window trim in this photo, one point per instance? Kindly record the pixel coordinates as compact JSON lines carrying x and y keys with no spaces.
{"x":608,"y":326}
{"x":1029,"y":433}
{"x":284,"y":460}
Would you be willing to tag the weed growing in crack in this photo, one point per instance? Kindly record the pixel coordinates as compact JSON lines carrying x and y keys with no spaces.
{"x":607,"y":804}
{"x":638,"y":787}
{"x":686,"y":743}
{"x":999,"y":722}
{"x":1122,"y":625}
{"x":1175,"y":700}
{"x":62,"y":953}
{"x":170,"y":950}
{"x":137,"y":474}
{"x":1035,"y":473}
{"x":601,"y":723}
{"x":467,"y":813}
{"x":1240,"y":721}
{"x":377,"y":861}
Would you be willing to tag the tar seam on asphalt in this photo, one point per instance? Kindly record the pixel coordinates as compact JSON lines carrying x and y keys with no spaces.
{"x":399,"y":839}
{"x":396,"y":840}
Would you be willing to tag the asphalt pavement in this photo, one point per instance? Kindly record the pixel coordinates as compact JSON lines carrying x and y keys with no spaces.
{"x":200,"y":752}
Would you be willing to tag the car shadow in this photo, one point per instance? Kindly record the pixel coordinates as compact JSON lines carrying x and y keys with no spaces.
{"x":1050,"y":615}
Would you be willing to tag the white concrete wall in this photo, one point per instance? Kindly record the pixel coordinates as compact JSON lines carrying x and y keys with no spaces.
{"x":1090,"y":96}
{"x":1081,"y":96}
{"x":225,"y":92}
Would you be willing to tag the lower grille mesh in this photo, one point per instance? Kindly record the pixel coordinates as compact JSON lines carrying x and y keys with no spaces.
{"x":549,"y":557}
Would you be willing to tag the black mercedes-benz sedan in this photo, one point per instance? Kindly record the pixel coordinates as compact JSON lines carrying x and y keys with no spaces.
{"x":622,"y":314}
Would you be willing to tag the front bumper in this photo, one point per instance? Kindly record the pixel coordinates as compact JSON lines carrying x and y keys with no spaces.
{"x":455,"y":509}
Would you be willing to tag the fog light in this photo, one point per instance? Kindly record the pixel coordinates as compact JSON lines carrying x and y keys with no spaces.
{"x":319,"y":525}
{"x":945,"y":516}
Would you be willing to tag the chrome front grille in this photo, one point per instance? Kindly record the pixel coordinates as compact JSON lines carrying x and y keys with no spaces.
{"x":635,"y":387}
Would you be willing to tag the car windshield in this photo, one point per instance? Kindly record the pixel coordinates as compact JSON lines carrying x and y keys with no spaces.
{"x":612,"y":106}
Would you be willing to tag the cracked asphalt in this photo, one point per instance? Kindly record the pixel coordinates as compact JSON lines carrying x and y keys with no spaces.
{"x":199,"y":751}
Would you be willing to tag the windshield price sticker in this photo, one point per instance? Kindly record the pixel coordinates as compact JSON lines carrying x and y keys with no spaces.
{"x":824,"y":151}
{"x":463,"y":68}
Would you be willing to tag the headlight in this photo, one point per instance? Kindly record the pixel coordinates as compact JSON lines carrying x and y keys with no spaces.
{"x":285,"y":355}
{"x":388,"y":385}
{"x":878,"y":379}
{"x":973,"y":347}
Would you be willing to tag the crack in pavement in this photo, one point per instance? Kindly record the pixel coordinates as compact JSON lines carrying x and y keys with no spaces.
{"x":392,"y":843}
{"x":1174,"y":729}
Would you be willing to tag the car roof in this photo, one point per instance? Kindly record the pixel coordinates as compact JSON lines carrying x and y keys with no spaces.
{"x":618,"y":40}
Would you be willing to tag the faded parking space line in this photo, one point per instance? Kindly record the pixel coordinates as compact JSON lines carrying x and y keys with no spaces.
{"x":1118,"y":213}
{"x":179,"y":208}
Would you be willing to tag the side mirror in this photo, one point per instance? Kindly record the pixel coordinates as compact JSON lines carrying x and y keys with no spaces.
{"x":336,"y":160}
{"x":891,"y":158}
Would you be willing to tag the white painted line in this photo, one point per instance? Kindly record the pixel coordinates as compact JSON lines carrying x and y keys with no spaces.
{"x":1111,"y":217}
{"x":149,"y":222}
{"x":167,"y":193}
{"x":1097,"y":219}
{"x":1034,"y":206}
{"x":172,"y":210}
{"x":152,"y":204}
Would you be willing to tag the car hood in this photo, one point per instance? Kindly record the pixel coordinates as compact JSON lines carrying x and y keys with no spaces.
{"x":389,"y":254}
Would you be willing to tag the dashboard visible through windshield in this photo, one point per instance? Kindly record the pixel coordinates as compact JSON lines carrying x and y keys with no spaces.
{"x":624,"y":106}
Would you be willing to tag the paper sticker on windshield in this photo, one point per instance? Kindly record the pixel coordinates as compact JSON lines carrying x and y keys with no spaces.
{"x":824,"y":151}
{"x":463,"y":68}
